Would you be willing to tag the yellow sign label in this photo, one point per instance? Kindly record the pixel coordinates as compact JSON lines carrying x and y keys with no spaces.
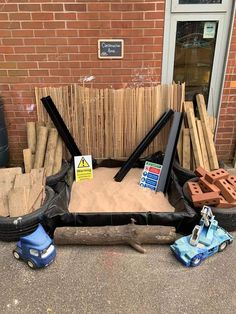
{"x":83,"y":168}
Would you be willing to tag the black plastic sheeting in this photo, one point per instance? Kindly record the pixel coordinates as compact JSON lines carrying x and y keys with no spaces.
{"x":184,"y":219}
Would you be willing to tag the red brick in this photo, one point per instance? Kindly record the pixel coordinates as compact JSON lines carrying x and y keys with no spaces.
{"x":19,"y":16}
{"x":38,"y":73}
{"x":29,"y":7}
{"x":211,"y":198}
{"x":216,"y":175}
{"x":54,"y":24}
{"x":42,"y":16}
{"x":32,"y":25}
{"x":9,"y":25}
{"x":224,"y":204}
{"x":148,"y":6}
{"x":98,"y":7}
{"x":121,"y":6}
{"x":226,"y":190}
{"x":9,"y":7}
{"x":207,"y":187}
{"x":232,"y":181}
{"x":194,"y":188}
{"x":17,"y":72}
{"x":132,"y":15}
{"x":75,"y":7}
{"x":52,"y":7}
{"x":22,"y":33}
{"x":65,"y":16}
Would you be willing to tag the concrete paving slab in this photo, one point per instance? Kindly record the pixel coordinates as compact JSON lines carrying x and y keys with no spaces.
{"x":118,"y":280}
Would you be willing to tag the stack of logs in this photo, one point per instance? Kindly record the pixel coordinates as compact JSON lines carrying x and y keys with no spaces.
{"x":216,"y":188}
{"x":196,"y":147}
{"x":44,"y":149}
{"x":20,"y":193}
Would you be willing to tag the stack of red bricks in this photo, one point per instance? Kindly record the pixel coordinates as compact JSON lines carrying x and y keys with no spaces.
{"x":216,"y":188}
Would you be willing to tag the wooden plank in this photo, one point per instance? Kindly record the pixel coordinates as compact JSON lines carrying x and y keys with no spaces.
{"x":22,"y":180}
{"x":203,"y":145}
{"x":17,"y":199}
{"x":213,"y":161}
{"x":186,"y":149}
{"x":194,"y":138}
{"x":35,"y":197}
{"x":4,"y":209}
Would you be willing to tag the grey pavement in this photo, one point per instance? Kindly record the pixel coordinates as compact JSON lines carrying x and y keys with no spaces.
{"x":118,"y":279}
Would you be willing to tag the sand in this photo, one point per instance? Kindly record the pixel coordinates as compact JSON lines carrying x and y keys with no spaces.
{"x":103,"y":194}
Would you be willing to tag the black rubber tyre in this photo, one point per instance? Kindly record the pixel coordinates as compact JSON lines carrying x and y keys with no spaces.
{"x":182,"y":174}
{"x":12,"y":228}
{"x":223,"y":246}
{"x":60,"y":176}
{"x":226,"y":216}
{"x":196,"y":261}
{"x":31,"y":264}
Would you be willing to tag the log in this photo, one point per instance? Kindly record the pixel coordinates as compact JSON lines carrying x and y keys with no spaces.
{"x":50,"y":151}
{"x":27,"y":155}
{"x":41,"y":146}
{"x":31,"y":136}
{"x":131,"y":234}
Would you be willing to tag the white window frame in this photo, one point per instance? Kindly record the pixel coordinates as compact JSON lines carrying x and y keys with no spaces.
{"x":212,"y":7}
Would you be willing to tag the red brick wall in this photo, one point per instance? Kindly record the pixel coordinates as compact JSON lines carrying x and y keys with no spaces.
{"x":226,"y":132}
{"x":51,"y":42}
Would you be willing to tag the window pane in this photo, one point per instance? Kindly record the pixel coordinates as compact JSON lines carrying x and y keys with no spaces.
{"x":199,"y":1}
{"x":194,"y":54}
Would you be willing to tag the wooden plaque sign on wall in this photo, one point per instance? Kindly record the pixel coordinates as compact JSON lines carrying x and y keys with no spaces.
{"x":110,"y":48}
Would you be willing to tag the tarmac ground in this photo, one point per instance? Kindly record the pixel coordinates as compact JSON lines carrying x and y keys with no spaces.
{"x":117,"y":279}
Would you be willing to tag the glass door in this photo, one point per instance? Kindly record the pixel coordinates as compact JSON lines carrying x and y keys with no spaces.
{"x":195,"y":47}
{"x":194,"y":55}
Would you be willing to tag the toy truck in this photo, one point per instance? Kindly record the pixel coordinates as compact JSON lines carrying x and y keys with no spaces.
{"x":206,"y":239}
{"x":36,"y":249}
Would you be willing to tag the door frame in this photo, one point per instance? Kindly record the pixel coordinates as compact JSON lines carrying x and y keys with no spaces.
{"x":219,"y":63}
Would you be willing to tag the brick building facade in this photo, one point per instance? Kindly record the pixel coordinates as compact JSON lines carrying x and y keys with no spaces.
{"x":55,"y":42}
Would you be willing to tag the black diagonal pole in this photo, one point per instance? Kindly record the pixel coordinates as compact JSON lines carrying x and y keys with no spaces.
{"x":170,"y":152}
{"x":60,"y":126}
{"x":143,"y":145}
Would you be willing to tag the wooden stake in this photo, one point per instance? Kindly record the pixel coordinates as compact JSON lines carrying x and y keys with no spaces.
{"x":186,"y":149}
{"x":213,"y":161}
{"x":194,"y":138}
{"x":203,"y":145}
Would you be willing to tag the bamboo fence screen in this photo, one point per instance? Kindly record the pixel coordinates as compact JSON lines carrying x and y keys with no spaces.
{"x":109,"y":123}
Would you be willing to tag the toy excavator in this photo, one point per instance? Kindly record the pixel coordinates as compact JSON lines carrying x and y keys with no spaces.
{"x":206,"y":239}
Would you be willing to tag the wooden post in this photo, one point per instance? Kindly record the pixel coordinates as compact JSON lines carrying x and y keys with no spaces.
{"x":186,"y":149}
{"x":58,"y":157}
{"x":31,"y":136}
{"x":27,"y":155}
{"x":50,"y":151}
{"x":41,"y":146}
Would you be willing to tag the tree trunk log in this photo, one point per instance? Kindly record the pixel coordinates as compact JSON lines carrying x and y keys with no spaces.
{"x":131,"y":234}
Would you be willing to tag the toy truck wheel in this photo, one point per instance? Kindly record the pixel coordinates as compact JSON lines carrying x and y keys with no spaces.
{"x":223,"y":246}
{"x":16,"y":255}
{"x":31,"y":264}
{"x":196,"y":260}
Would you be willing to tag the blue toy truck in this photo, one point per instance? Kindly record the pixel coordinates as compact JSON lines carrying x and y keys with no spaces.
{"x":206,"y":239}
{"x":36,"y":249}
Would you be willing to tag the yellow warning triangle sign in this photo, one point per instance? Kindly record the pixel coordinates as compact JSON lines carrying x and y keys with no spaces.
{"x":83,"y":163}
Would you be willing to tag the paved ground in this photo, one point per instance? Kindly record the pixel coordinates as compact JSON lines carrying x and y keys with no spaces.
{"x":118,"y":280}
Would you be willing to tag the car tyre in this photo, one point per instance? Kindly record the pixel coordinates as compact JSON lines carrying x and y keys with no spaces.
{"x":196,"y":261}
{"x":31,"y":264}
{"x":223,"y":246}
{"x":16,"y":255}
